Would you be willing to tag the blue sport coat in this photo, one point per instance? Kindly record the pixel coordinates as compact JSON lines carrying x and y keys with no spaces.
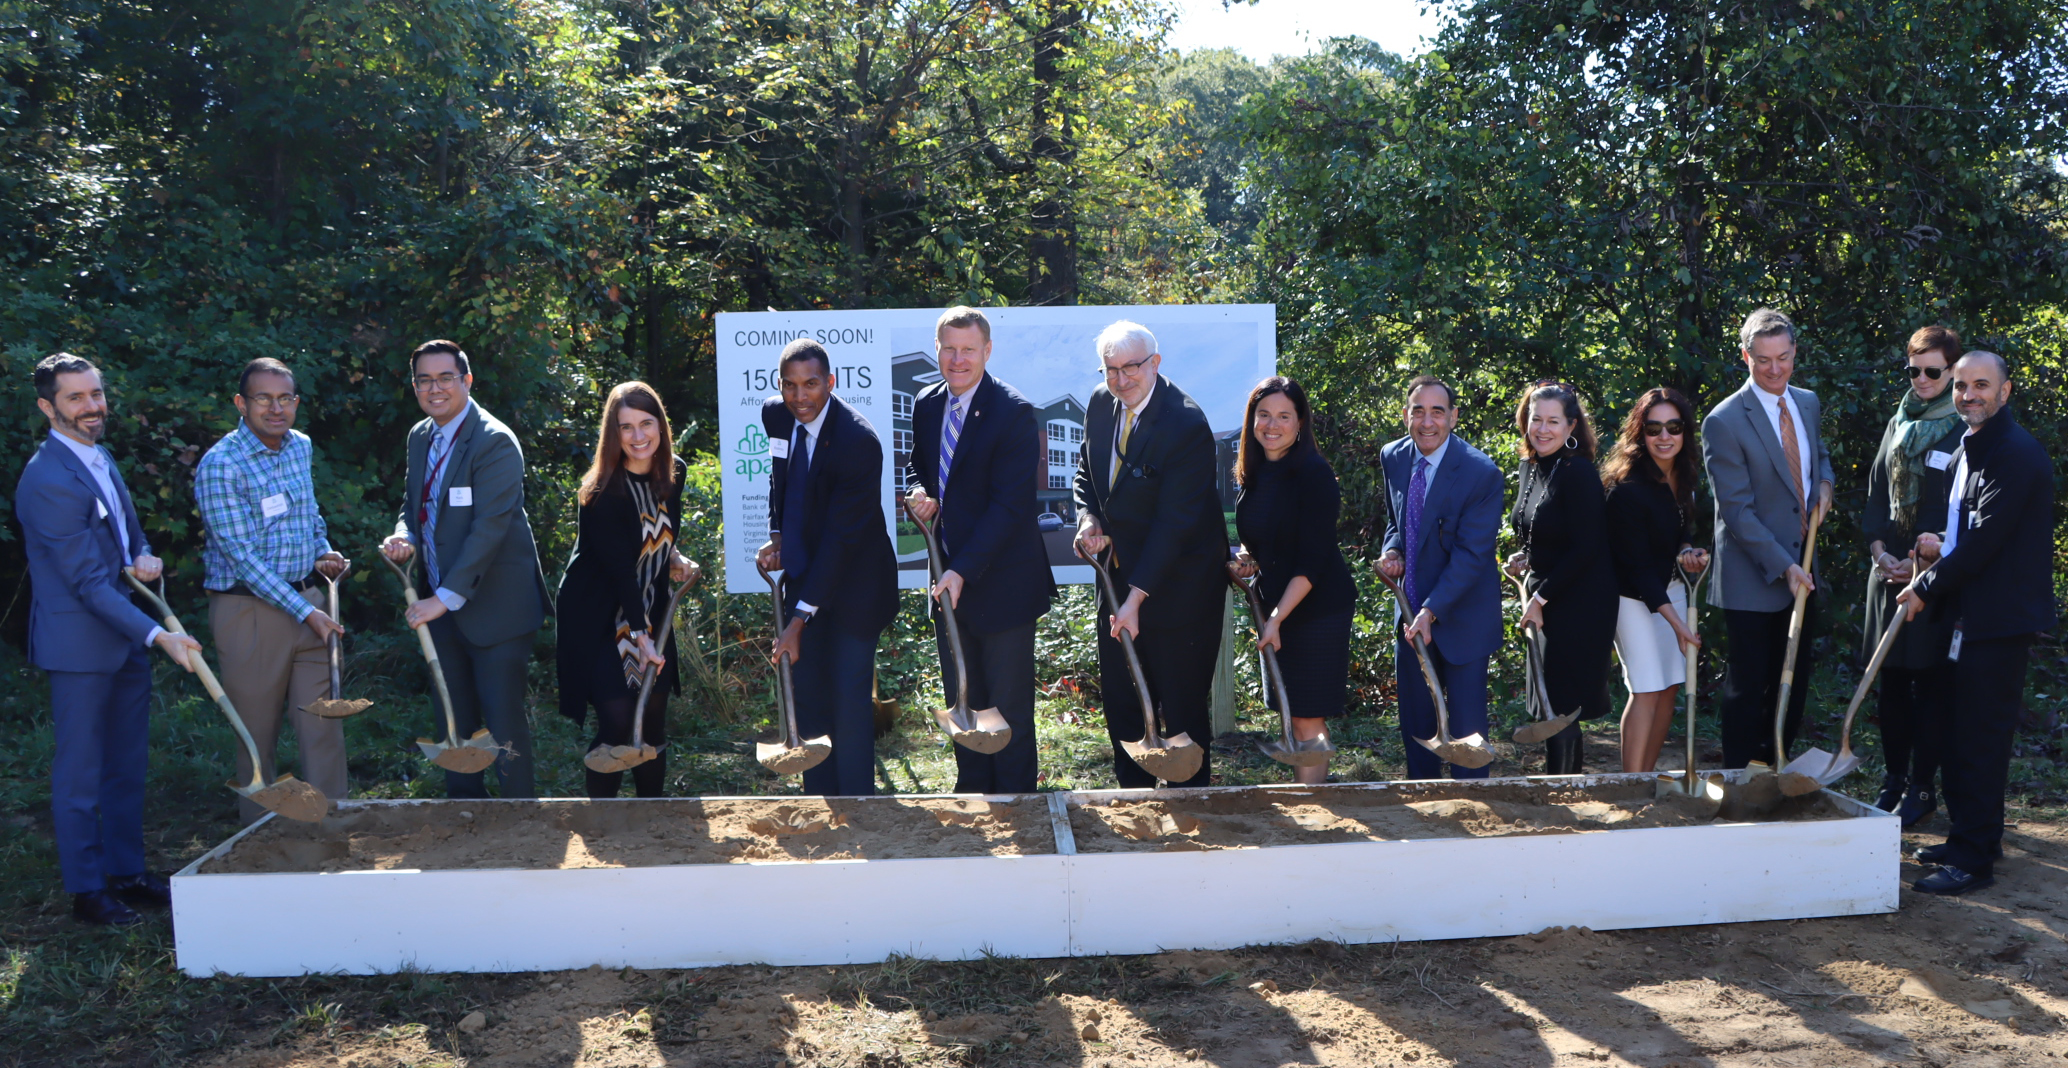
{"x":987,"y":522}
{"x":80,"y":614}
{"x":1455,"y":570}
{"x":851,"y":571}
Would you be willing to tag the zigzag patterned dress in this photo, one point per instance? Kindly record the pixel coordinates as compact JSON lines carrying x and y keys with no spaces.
{"x":618,"y":574}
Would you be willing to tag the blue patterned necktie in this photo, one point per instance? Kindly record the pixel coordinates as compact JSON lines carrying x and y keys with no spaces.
{"x":798,"y":469}
{"x":1417,"y":493}
{"x":427,"y":507}
{"x":950,"y":434}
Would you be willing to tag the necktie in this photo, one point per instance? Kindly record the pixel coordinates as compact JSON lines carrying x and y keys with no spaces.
{"x":106,"y":480}
{"x":795,"y":555}
{"x":427,"y":507}
{"x":1417,"y":493}
{"x":1793,"y":452}
{"x":951,"y":434}
{"x":1127,"y":429}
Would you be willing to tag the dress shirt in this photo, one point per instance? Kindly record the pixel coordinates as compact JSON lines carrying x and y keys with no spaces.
{"x":1113,"y":474}
{"x":96,"y":461}
{"x":955,"y":404}
{"x":811,"y":448}
{"x":1771,"y":405}
{"x":441,"y":445}
{"x":1434,"y":459}
{"x":1954,"y":494}
{"x":266,"y":548}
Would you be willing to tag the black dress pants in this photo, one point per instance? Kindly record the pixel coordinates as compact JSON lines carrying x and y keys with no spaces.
{"x":1988,"y":685}
{"x":1752,"y":681}
{"x":1177,"y":648}
{"x":1913,"y":704}
{"x":487,"y":684}
{"x":614,"y":722}
{"x":1001,"y":676}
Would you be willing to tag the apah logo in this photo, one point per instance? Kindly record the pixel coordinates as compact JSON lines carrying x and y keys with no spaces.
{"x":750,"y":453}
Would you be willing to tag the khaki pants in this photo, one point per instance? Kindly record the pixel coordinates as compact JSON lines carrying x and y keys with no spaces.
{"x":272,"y":665}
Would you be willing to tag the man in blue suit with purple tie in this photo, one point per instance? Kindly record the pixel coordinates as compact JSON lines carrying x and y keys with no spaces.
{"x":81,"y":530}
{"x":1445,"y":511}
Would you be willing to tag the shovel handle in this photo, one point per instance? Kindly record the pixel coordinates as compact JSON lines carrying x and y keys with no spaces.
{"x":786,"y":697}
{"x":653,"y":671}
{"x":336,"y":643}
{"x":1272,"y":677}
{"x":199,"y":664}
{"x":1881,"y":651}
{"x":1150,"y":736}
{"x":1809,"y":560}
{"x":933,"y":568}
{"x":1428,"y":667}
{"x":1693,"y":586}
{"x":430,"y":648}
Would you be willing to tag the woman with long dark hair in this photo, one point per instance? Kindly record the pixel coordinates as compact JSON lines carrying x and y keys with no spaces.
{"x":1650,"y":475}
{"x":616,"y":591}
{"x":1561,"y":517}
{"x":1285,"y":514}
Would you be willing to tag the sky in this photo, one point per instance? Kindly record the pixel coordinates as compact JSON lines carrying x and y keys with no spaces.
{"x":1294,"y":27}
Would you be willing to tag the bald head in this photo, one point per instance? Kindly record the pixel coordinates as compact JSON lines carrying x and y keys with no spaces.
{"x":1981,"y":386}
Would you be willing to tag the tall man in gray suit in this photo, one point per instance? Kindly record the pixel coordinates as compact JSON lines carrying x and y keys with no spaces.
{"x":464,"y":506}
{"x":1768,"y":467}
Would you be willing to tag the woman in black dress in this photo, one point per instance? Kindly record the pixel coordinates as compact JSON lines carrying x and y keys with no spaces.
{"x":1561,"y":517}
{"x":615,"y":593}
{"x":1285,"y":514}
{"x":1906,"y":496}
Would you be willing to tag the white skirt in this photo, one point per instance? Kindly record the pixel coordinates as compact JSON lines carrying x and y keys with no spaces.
{"x":1646,"y":644}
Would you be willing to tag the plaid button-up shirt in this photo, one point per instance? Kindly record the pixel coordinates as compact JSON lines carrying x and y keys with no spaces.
{"x":232,"y":484}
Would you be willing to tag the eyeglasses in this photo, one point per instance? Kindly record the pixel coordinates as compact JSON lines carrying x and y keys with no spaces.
{"x":1129,"y":371}
{"x":1653,"y":428}
{"x":425,"y":383}
{"x":1932,"y":373}
{"x":272,"y":402}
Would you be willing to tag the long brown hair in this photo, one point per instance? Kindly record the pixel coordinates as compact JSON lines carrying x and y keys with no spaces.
{"x":610,"y":456}
{"x":1629,"y":459}
{"x":1250,"y":456}
{"x":1568,"y":398}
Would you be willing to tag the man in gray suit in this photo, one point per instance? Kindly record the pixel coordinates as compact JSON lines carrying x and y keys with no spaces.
{"x":465,"y":508}
{"x":1768,"y":467}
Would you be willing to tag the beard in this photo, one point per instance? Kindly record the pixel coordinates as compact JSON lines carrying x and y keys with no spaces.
{"x":92,"y":434}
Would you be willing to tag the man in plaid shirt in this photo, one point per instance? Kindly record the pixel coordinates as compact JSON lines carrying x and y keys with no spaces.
{"x":266,"y":546}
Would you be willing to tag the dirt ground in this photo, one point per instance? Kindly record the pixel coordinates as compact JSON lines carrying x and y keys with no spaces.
{"x":1969,"y":982}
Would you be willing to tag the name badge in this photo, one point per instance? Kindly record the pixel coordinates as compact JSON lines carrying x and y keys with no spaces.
{"x":1937,"y":460}
{"x":779,"y":449}
{"x":1953,"y":652}
{"x":459,"y":497}
{"x":274,"y":506}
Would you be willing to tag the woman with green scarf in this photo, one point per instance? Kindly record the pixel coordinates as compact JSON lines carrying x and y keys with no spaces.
{"x":1906,"y":496}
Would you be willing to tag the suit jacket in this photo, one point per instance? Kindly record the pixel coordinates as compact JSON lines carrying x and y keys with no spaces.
{"x":1999,"y":576}
{"x":986,"y":524}
{"x":851,"y":571}
{"x":80,"y":614}
{"x":1163,"y":511}
{"x":1758,"y":518}
{"x":485,"y":549}
{"x":1455,"y":571}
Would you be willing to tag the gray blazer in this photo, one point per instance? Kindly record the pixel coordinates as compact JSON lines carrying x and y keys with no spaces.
{"x":485,"y":550}
{"x":1758,"y":519}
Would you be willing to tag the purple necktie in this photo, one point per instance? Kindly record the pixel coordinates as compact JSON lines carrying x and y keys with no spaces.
{"x":1417,"y":492}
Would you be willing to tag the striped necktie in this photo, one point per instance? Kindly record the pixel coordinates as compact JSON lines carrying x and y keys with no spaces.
{"x":950,"y":434}
{"x":427,"y":505}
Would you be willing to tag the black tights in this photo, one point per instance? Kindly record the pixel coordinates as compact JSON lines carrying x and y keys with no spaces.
{"x":614,"y":727}
{"x":1914,"y":706}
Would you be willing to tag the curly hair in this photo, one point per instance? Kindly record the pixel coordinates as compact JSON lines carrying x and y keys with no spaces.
{"x":1628,"y":459}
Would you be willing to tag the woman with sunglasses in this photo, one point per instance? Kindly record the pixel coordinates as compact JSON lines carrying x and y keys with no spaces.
{"x":1650,"y":477}
{"x":1906,"y":495}
{"x":1561,"y":518}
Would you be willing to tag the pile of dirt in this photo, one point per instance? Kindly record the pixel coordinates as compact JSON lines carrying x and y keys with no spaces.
{"x":1281,"y":815}
{"x":456,"y":835}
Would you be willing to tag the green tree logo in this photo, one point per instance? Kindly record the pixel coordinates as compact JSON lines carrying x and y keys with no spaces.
{"x":753,"y":442}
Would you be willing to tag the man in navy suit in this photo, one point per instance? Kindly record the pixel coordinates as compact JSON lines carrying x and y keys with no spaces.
{"x":980,"y":483}
{"x":1445,"y":499}
{"x":840,"y":584}
{"x":81,"y":530}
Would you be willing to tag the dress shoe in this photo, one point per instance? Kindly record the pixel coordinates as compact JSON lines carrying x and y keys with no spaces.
{"x":1932,"y":854}
{"x":1893,"y":788}
{"x":145,"y":889}
{"x":1919,"y":804}
{"x":1949,"y":880}
{"x":103,"y":908}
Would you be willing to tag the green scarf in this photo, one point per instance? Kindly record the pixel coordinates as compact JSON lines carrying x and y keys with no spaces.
{"x":1918,"y":424}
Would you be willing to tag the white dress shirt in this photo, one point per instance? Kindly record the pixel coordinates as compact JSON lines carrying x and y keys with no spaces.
{"x":1953,"y":498}
{"x":1771,"y":405}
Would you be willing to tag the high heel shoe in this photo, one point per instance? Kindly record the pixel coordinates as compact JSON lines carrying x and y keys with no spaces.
{"x":1919,"y":804}
{"x":1892,"y":788}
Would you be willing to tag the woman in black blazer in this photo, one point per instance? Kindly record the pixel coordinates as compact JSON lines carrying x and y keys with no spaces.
{"x":1906,"y":496}
{"x":1285,"y":514}
{"x":1561,"y":517}
{"x":615,"y":594}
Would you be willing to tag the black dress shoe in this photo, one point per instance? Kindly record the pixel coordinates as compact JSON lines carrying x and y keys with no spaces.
{"x":1950,"y":880}
{"x":1932,"y":854}
{"x":103,"y":908}
{"x":1918,"y":806}
{"x":145,"y":889}
{"x":1893,"y":788}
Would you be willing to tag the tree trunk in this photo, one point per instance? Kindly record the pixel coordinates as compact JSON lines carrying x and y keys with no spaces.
{"x":1052,"y":248}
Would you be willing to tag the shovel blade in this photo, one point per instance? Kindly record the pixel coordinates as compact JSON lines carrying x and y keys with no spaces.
{"x":1538,"y":730}
{"x":982,"y":731}
{"x":605,"y":759}
{"x":1467,"y":752}
{"x":1176,"y":760}
{"x":290,"y":797}
{"x":784,"y":760}
{"x":1311,"y":753}
{"x":1758,"y":797}
{"x":465,"y":759}
{"x":334,"y":709}
{"x":1814,"y":770}
{"x":1703,"y":797}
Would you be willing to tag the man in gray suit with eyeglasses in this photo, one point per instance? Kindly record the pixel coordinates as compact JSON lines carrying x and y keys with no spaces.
{"x":1768,"y":468}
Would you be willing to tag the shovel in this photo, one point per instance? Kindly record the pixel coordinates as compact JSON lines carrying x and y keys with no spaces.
{"x":1544,"y":724}
{"x":1794,"y":784}
{"x":1822,"y":769}
{"x":1709,"y":792}
{"x":1172,"y":759}
{"x":335,"y":706}
{"x":982,"y":730}
{"x":1285,"y":749}
{"x":792,"y":755}
{"x":468,"y":757}
{"x":609,"y":758}
{"x":286,"y":795}
{"x":1467,"y":752}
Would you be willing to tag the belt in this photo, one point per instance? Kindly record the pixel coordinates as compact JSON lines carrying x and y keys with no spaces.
{"x":307,"y":584}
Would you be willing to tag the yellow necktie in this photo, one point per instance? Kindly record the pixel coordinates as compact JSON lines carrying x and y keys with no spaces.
{"x":1127,"y":427}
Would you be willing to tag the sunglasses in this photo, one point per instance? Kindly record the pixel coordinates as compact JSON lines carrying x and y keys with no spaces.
{"x":1932,"y":373}
{"x":1653,"y":428}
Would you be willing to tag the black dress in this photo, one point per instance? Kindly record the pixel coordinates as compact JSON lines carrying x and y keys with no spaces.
{"x":617,"y":584}
{"x":1646,"y":531}
{"x":1286,"y":517}
{"x":1561,"y":515}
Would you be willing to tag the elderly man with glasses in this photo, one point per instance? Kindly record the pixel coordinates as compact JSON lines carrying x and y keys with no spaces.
{"x":1145,"y":488}
{"x":266,"y":556}
{"x":463,"y":506}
